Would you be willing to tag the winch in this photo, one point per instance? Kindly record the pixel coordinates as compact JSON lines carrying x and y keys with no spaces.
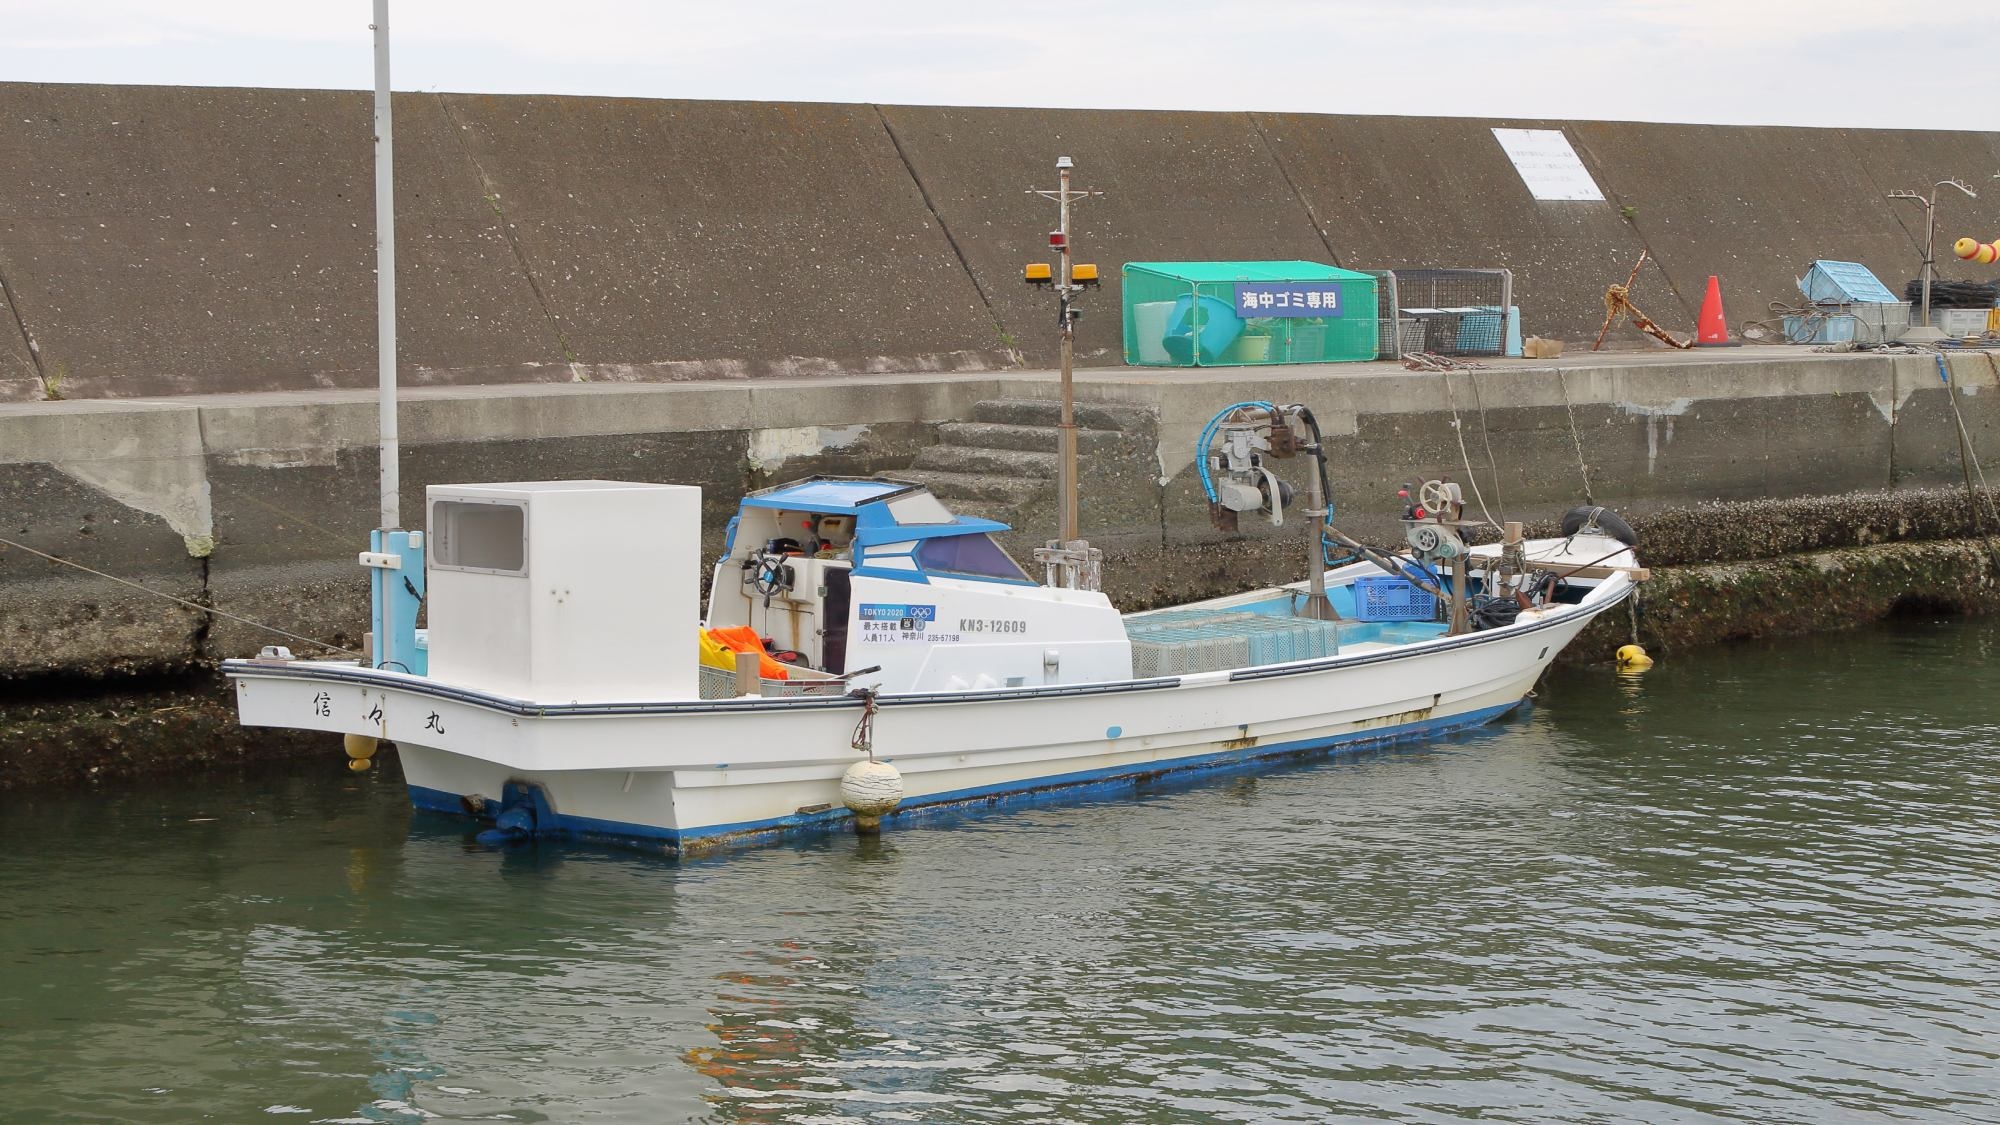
{"x":1430,"y":523}
{"x":1232,"y":455}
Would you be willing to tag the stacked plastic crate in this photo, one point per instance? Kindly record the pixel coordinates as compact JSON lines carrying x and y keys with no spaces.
{"x":1182,"y":641}
{"x":1846,"y":302}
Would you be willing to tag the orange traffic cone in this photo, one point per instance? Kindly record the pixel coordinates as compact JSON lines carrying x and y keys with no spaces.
{"x":1712,"y":330}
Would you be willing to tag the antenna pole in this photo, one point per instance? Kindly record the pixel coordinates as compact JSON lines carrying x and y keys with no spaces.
{"x":385,"y":273}
{"x":1070,"y":562}
{"x":1066,"y":429}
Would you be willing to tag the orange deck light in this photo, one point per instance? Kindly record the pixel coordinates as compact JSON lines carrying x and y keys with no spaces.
{"x":1037,"y":273}
{"x":1083,"y":273}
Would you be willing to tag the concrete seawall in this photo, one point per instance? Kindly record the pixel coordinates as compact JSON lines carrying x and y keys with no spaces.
{"x":158,"y":241}
{"x":255,"y":505}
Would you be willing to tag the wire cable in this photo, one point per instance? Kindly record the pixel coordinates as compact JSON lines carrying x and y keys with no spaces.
{"x":197,"y":606}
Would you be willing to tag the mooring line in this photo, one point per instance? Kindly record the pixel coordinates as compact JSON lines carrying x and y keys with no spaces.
{"x":182,"y":601}
{"x":1576,"y":438}
{"x":1458,"y":430}
{"x":1486,"y":439}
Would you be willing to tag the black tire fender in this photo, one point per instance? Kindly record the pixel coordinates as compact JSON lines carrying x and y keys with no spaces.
{"x":1608,"y":521}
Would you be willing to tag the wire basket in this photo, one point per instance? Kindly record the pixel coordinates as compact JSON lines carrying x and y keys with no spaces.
{"x":719,"y":683}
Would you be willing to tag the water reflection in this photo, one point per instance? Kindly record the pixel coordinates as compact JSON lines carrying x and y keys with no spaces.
{"x":1755,"y":883}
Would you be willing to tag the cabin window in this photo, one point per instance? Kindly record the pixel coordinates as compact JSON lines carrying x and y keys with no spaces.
{"x":975,"y":555}
{"x":481,"y":537}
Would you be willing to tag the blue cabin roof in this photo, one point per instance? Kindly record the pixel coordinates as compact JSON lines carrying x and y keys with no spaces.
{"x":875,"y":522}
{"x":827,"y":496}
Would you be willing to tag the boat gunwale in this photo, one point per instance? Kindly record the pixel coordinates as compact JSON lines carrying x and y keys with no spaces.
{"x":243,"y":669}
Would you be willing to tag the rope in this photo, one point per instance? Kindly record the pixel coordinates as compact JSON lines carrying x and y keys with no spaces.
{"x":1458,"y":431}
{"x":1968,"y":460}
{"x":1576,"y":438}
{"x":864,"y":730}
{"x":182,"y":601}
{"x":1486,"y":439}
{"x":1431,"y":361}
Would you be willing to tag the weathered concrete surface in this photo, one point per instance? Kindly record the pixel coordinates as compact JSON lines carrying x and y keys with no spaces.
{"x":1178,"y":186}
{"x":1710,"y":533}
{"x":163,"y":240}
{"x":1756,"y":205}
{"x":256,"y":504}
{"x":179,"y":726}
{"x":706,"y":239}
{"x":18,"y":376}
{"x":1404,"y":192}
{"x":1684,"y":607}
{"x":158,"y":240}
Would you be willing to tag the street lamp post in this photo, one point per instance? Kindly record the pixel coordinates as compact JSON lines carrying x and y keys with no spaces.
{"x":1924,"y":331}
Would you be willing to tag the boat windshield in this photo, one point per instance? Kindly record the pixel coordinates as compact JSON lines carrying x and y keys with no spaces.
{"x":976,"y":556}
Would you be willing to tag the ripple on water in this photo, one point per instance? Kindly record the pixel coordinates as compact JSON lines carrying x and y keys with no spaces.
{"x":1759,"y":884}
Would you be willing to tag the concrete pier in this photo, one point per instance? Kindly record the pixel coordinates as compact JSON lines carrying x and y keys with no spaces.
{"x":256,"y":504}
{"x":737,"y":294}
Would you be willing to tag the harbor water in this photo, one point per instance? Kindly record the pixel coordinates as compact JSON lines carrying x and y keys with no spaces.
{"x":1761,"y":883}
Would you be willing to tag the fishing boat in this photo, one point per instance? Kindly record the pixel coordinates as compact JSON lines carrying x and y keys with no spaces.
{"x":568,"y":681}
{"x":541,"y":660}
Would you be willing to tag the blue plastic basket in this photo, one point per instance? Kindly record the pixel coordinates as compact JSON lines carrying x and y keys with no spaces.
{"x":1392,"y":599}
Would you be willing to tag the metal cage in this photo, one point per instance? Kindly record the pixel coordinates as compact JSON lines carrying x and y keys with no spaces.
{"x":1468,"y":312}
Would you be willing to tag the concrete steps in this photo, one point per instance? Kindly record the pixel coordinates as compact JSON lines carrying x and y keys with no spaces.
{"x":1048,"y":413}
{"x":1005,"y":457}
{"x":1001,"y":462}
{"x":952,"y":487}
{"x":1000,"y":510}
{"x":1034,"y":439}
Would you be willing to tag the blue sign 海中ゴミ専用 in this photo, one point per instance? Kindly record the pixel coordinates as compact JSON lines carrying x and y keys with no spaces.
{"x":1287,"y":298}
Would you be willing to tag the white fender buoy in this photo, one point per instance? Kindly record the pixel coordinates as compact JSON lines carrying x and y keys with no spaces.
{"x":871,"y":790}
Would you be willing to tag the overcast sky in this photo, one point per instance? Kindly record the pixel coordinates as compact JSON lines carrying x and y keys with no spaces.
{"x":1825,"y":62}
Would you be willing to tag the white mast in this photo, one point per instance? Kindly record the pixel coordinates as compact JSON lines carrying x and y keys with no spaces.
{"x":385,"y":271}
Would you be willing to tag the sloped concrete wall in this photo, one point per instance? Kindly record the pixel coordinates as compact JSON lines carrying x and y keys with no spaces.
{"x":706,"y":239}
{"x":1177,"y":187}
{"x":1408,"y":192}
{"x":166,"y":240}
{"x":158,"y":240}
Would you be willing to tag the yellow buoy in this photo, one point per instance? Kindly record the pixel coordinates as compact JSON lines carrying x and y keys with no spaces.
{"x":359,"y":765}
{"x":360,"y":747}
{"x":1632,"y":658}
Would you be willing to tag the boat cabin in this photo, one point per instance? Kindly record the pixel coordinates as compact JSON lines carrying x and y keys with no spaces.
{"x":841,"y":574}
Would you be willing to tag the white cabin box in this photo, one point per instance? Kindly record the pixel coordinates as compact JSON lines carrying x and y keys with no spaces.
{"x":565,"y":591}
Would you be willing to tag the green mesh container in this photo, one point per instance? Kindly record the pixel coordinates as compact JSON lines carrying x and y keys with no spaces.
{"x":1206,"y":314}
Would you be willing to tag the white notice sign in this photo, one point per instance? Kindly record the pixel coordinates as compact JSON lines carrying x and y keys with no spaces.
{"x":1548,"y":165}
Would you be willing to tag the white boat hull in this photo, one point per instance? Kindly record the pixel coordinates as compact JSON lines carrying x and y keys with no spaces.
{"x":685,"y":776}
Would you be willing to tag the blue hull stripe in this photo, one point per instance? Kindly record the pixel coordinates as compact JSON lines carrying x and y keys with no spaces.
{"x":1070,"y":786}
